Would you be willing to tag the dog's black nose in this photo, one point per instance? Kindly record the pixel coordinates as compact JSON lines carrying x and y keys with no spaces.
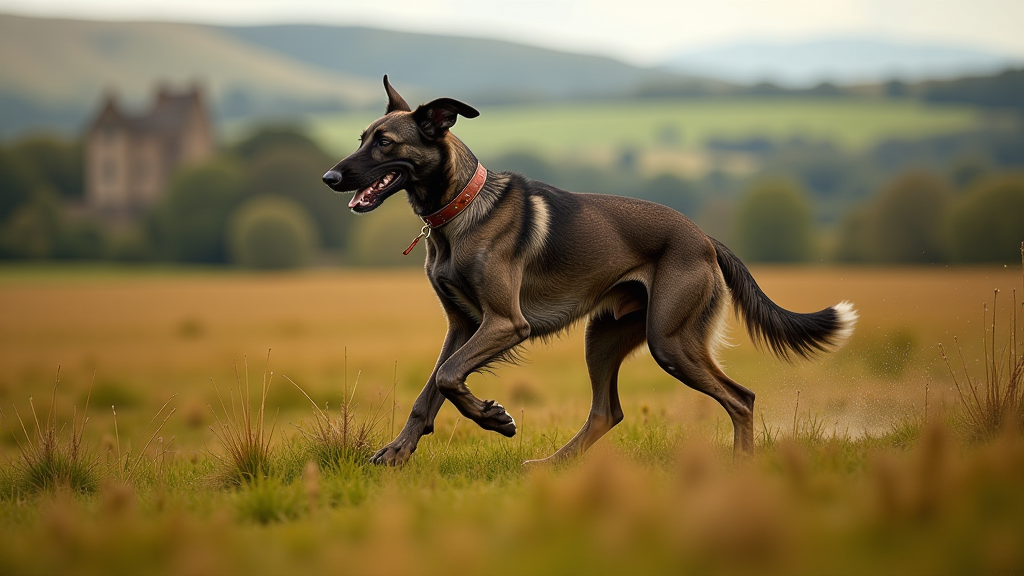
{"x":332,"y":178}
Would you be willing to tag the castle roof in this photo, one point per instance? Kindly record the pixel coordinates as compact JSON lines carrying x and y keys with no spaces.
{"x":166,"y":118}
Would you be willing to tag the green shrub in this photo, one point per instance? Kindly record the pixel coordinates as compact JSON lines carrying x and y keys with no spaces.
{"x":906,"y":220}
{"x":774,"y":223}
{"x":271,"y":232}
{"x":189,"y":223}
{"x":988,"y":225}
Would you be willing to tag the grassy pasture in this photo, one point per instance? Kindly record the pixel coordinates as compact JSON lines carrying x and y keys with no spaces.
{"x":844,"y":478}
{"x":151,"y":334}
{"x":584,"y":131}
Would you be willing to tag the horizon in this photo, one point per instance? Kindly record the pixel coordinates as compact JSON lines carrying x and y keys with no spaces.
{"x":601,"y":28}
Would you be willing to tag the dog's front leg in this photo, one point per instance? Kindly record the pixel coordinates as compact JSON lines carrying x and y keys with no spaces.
{"x":427,"y":404}
{"x":496,"y":335}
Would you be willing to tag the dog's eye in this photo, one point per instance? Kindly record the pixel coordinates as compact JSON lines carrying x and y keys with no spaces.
{"x":383,"y":142}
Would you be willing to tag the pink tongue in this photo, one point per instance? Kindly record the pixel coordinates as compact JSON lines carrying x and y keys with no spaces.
{"x":359,"y":199}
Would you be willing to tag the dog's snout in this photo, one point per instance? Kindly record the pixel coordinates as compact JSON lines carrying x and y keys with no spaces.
{"x":332,"y":178}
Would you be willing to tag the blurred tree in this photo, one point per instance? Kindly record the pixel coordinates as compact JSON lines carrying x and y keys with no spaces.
{"x":17,"y":181}
{"x":988,"y":225}
{"x":297,"y":174}
{"x":967,"y":170}
{"x":895,"y":89}
{"x":130,"y":245}
{"x":854,"y":238}
{"x":282,"y":137}
{"x":271,"y":232}
{"x":673,"y":192}
{"x":774,"y":223}
{"x":35,"y":175}
{"x":906,"y":220}
{"x":1005,"y":89}
{"x":56,"y":162}
{"x":833,"y":178}
{"x":190,"y":222}
{"x":32,"y":230}
{"x":39,"y":229}
{"x":80,"y":239}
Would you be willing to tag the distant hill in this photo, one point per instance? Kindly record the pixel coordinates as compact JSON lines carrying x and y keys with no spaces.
{"x":836,"y":61}
{"x":56,"y":69}
{"x":473,"y":68}
{"x":53,"y":71}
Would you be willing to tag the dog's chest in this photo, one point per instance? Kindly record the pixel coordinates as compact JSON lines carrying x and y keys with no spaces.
{"x":455,"y":289}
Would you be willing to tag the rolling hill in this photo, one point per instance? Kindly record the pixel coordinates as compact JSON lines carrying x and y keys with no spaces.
{"x":51,"y":65}
{"x":483,"y":70}
{"x":53,"y":71}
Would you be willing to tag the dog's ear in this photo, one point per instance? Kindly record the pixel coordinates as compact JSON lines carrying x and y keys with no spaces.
{"x":395,"y":100}
{"x":435,"y":118}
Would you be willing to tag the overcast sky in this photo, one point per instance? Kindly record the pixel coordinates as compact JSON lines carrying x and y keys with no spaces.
{"x":640,"y":31}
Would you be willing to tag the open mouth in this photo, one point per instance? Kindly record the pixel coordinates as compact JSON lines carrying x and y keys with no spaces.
{"x":370,"y":197}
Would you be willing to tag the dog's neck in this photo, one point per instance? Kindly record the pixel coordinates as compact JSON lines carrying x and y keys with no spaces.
{"x":458,"y":165}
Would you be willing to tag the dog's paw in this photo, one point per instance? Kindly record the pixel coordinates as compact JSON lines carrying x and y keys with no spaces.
{"x":394,"y":454}
{"x":495,"y":417}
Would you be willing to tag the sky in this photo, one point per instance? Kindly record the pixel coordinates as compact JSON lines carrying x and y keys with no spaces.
{"x":637,"y":31}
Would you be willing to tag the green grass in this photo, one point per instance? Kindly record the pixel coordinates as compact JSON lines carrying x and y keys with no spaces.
{"x":595,"y":129}
{"x":804,"y":504}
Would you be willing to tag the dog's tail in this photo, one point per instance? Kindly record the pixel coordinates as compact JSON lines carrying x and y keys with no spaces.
{"x":771,"y":325}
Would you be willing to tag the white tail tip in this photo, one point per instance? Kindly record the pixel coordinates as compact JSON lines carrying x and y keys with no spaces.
{"x":847,"y":320}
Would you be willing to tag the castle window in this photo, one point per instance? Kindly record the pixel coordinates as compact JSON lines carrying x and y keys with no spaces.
{"x":110,"y":172}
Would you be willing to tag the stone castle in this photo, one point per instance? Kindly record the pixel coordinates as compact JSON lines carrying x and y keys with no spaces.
{"x":129,"y":158}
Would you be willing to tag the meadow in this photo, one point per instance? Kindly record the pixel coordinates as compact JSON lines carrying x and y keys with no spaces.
{"x":599,"y":131}
{"x":862,"y":462}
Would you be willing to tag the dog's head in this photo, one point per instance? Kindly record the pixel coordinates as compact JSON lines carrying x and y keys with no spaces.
{"x":401,"y":149}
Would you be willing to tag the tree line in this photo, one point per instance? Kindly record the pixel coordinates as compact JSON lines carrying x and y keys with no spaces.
{"x":260,"y":203}
{"x":917,"y":218}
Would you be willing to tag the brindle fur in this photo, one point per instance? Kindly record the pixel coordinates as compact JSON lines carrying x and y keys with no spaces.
{"x":527,"y":260}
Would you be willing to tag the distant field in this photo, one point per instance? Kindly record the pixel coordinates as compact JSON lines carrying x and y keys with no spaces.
{"x":599,"y":130}
{"x":153,"y":333}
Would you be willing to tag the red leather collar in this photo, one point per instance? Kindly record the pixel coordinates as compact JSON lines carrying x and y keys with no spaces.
{"x":461,"y":202}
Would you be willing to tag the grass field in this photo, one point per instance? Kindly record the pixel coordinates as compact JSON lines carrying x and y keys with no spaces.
{"x":584,"y":131}
{"x":846,"y":477}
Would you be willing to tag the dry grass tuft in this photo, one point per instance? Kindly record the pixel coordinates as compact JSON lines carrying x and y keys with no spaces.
{"x":52,"y":457}
{"x":997,"y":402}
{"x":129,"y":466}
{"x":344,"y":438}
{"x":243,"y":433}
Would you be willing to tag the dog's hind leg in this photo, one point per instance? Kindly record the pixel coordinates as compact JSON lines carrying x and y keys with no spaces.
{"x":609,"y":342}
{"x":683,"y":329}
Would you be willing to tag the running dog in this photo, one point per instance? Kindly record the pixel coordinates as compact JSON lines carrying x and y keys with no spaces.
{"x":512,"y":259}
